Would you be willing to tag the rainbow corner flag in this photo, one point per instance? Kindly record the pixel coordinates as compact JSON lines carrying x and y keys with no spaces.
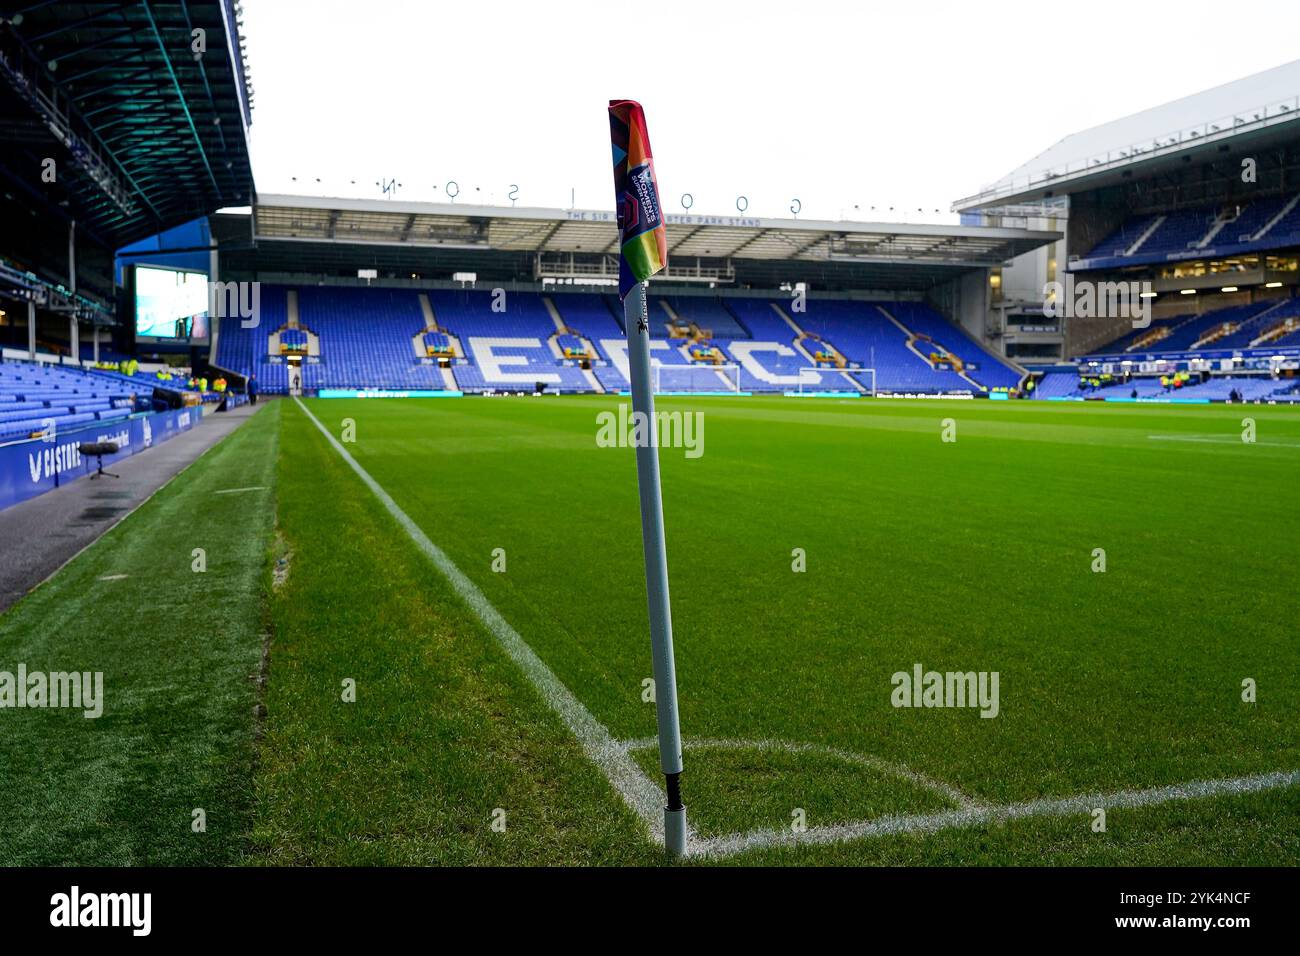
{"x":640,"y":216}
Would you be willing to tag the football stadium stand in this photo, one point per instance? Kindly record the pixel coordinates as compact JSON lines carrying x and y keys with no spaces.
{"x":1064,"y":383}
{"x":375,"y":338}
{"x":1262,"y":225}
{"x":1191,"y":205}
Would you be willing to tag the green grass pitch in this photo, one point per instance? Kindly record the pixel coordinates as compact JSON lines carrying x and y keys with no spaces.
{"x":970,"y":555}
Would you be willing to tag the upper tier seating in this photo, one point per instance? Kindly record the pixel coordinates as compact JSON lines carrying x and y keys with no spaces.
{"x":1178,"y":231}
{"x":1119,"y":241}
{"x":1184,"y":231}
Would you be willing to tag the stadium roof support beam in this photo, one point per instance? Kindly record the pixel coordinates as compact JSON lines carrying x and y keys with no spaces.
{"x":203,"y":73}
{"x":27,"y":76}
{"x":89,"y":47}
{"x":295,"y":232}
{"x":180,"y":94}
{"x":74,"y":25}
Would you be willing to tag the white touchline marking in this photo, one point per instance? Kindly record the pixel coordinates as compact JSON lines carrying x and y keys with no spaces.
{"x":235,"y":491}
{"x":114,"y":577}
{"x":637,"y":790}
{"x":978,"y":816}
{"x":949,"y":793}
{"x":646,"y":799}
{"x":1222,"y":440}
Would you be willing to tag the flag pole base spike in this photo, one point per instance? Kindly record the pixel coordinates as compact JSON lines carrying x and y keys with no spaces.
{"x":675,"y":832}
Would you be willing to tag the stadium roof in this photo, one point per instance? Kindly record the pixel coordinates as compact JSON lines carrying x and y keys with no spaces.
{"x":146,"y":132}
{"x":1258,"y":110}
{"x":892,"y":253}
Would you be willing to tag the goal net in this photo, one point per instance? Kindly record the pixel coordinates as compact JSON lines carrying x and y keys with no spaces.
{"x":688,"y":379}
{"x":829,"y":381}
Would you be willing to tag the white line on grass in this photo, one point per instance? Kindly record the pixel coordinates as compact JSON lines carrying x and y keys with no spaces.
{"x":236,"y":491}
{"x":646,"y":799}
{"x":637,"y":790}
{"x":1223,"y":440}
{"x":980,"y":816}
{"x":948,"y":792}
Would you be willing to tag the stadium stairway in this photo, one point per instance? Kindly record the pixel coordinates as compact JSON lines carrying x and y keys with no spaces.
{"x":957,"y":367}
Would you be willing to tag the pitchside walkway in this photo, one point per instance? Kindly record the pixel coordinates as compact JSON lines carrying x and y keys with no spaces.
{"x":40,"y":535}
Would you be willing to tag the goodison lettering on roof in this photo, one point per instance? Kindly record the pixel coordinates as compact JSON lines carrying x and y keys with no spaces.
{"x":679,"y":219}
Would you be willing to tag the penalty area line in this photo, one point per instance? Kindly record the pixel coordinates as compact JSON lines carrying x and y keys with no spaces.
{"x":637,"y":790}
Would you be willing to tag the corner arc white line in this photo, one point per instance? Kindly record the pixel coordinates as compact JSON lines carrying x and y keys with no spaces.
{"x":637,"y":790}
{"x":901,"y":771}
{"x":958,"y":819}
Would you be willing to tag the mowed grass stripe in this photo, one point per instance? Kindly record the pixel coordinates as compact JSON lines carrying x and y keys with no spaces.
{"x":445,"y":730}
{"x":974,"y":556}
{"x":179,"y":651}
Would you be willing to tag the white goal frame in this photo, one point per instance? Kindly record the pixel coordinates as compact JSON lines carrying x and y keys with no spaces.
{"x":697,"y":370}
{"x":835,"y":371}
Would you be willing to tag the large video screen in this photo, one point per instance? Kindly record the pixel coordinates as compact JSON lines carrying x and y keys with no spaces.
{"x":170,"y":304}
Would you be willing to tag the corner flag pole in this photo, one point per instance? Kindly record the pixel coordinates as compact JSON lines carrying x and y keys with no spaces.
{"x":656,"y":571}
{"x":645,"y":252}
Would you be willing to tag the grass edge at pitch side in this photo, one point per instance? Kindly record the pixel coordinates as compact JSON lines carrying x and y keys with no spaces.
{"x":445,"y":737}
{"x":179,"y":651}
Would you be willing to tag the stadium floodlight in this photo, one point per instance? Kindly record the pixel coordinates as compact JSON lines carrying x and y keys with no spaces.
{"x":644,"y":251}
{"x":1272,"y":285}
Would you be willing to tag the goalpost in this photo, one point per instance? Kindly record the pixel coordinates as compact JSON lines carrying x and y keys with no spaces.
{"x":697,"y":379}
{"x":838,"y":380}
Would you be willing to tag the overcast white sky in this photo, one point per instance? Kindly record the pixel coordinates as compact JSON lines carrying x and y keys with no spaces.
{"x":840,"y":104}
